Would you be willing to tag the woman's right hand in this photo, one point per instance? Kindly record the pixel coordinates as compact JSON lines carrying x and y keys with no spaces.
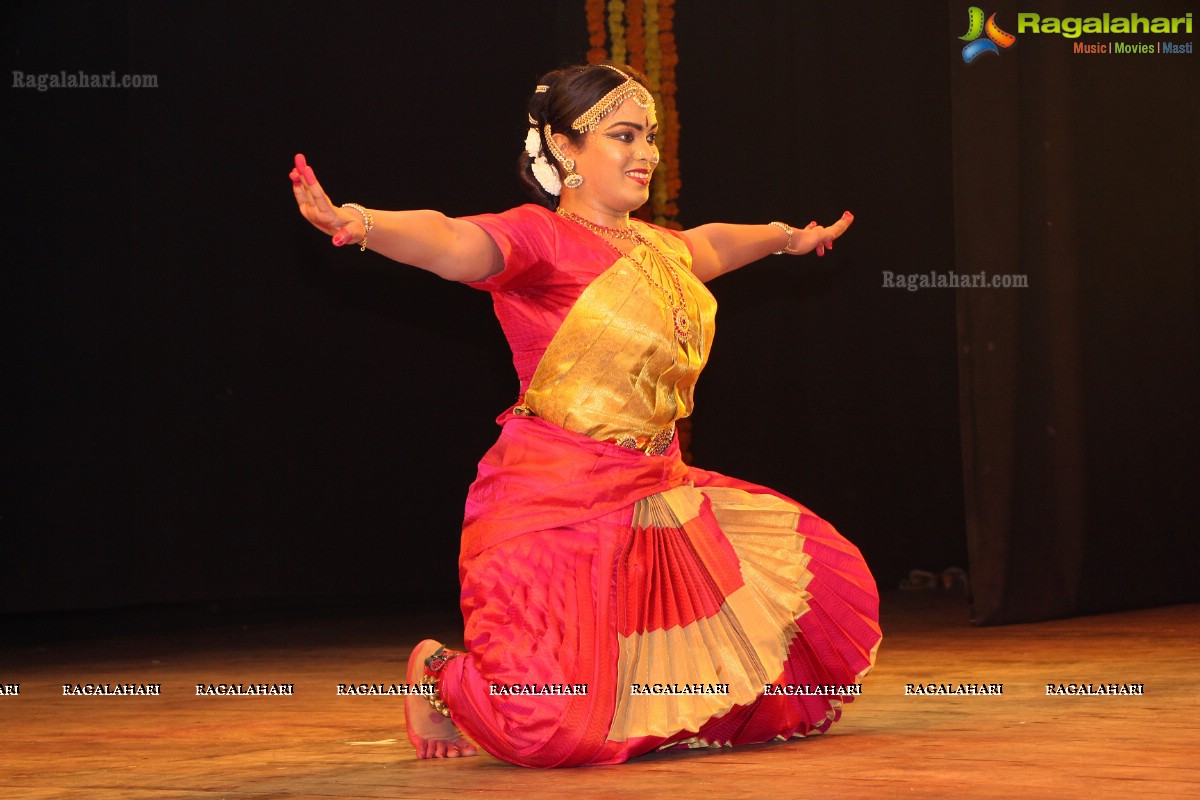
{"x":345,"y":226}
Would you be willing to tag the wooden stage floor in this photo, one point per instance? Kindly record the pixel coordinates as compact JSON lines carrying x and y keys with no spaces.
{"x":317,"y":744}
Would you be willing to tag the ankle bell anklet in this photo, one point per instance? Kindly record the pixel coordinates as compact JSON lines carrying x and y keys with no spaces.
{"x":432,"y":677}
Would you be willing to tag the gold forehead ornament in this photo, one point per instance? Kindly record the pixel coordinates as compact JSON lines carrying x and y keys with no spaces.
{"x":590,"y":119}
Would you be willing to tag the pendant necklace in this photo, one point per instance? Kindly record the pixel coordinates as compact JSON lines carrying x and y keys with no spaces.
{"x":679,"y":316}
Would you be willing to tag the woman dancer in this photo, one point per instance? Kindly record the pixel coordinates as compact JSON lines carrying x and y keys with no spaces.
{"x":615,"y":600}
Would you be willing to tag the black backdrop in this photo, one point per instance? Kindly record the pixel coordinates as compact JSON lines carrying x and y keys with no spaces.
{"x":1081,"y":171}
{"x":210,"y":402}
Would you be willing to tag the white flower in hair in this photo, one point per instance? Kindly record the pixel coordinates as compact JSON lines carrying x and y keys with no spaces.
{"x":533,"y":143}
{"x":546,"y":175}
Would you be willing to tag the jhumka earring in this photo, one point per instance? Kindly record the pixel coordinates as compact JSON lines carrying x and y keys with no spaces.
{"x":573,"y":180}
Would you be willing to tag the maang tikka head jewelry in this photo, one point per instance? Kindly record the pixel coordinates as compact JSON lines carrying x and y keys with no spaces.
{"x":589,"y":120}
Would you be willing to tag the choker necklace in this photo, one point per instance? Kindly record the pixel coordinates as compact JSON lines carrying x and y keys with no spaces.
{"x":678,"y":310}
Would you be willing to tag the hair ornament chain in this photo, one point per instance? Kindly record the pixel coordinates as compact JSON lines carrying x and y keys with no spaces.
{"x":589,"y":120}
{"x":573,"y":179}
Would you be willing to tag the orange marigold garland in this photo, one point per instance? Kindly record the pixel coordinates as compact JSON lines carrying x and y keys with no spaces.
{"x":658,"y":186}
{"x":635,"y":39}
{"x":597,"y":34}
{"x":641,"y":33}
{"x":670,"y":116}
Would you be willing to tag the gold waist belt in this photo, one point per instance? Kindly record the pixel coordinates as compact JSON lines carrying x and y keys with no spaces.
{"x":654,"y":445}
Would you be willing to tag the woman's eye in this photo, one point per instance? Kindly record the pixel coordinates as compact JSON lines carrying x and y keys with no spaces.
{"x":652,"y":138}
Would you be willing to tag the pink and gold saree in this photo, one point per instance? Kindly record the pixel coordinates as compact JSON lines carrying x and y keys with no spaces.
{"x":617,"y":601}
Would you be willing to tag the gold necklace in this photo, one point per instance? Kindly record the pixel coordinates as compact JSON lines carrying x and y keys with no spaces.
{"x":679,"y":315}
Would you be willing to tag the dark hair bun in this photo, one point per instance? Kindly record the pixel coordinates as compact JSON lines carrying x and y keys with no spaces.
{"x":570,"y":93}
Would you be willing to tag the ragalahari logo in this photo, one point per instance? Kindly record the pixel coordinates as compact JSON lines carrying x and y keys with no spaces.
{"x":995,"y":41}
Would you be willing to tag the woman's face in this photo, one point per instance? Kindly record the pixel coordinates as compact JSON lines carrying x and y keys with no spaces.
{"x":617,"y":160}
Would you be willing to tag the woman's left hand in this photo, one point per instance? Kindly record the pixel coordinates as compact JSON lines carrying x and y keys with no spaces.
{"x":818,"y":237}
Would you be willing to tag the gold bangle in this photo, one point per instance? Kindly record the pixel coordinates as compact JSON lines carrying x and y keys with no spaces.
{"x":787,"y":248}
{"x":368,"y":223}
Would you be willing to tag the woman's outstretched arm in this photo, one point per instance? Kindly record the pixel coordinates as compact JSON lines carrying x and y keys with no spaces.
{"x":451,"y":248}
{"x":719,"y":247}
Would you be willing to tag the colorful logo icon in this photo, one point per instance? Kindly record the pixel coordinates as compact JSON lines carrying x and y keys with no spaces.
{"x":995,"y":41}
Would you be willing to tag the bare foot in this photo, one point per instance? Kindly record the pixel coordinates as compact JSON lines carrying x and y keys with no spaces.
{"x":433,"y":735}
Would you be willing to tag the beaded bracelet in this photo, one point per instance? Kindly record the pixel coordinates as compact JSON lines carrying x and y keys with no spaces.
{"x":369,"y":222}
{"x":787,"y":248}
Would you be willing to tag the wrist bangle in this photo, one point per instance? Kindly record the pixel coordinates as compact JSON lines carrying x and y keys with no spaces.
{"x":787,"y":248}
{"x":369,"y":222}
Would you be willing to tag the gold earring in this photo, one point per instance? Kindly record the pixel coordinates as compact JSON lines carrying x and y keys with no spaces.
{"x":573,"y":180}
